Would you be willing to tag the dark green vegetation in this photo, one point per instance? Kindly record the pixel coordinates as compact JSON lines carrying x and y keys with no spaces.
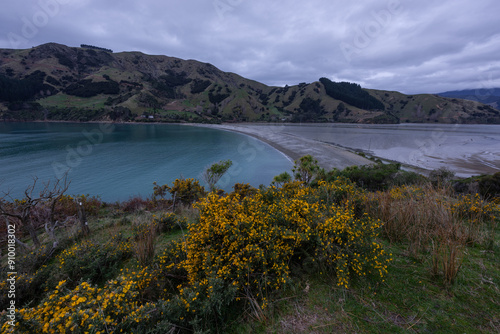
{"x":56,"y":82}
{"x":26,"y":88}
{"x":87,"y":88}
{"x":352,"y":94}
{"x":129,"y":271}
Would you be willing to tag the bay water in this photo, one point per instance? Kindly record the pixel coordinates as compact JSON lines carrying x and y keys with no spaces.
{"x":119,"y":161}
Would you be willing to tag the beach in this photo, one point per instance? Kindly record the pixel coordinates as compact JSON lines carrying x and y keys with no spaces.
{"x":329,"y":156}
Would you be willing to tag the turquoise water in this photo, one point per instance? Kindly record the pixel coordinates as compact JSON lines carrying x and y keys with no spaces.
{"x":119,"y":161}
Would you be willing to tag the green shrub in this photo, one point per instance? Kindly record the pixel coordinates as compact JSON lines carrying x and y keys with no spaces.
{"x":89,"y":260}
{"x":489,"y":186}
{"x":372,"y":177}
{"x":441,"y":176}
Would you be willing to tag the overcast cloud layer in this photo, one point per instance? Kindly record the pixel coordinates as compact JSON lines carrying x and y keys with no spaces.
{"x":424,"y":46}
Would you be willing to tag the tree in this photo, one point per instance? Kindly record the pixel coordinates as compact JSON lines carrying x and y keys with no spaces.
{"x":213,"y":174}
{"x":305,"y":169}
{"x":280,"y":180}
{"x":51,"y":195}
{"x":20,"y":210}
{"x":24,"y":209}
{"x":352,"y":94}
{"x":441,"y":176}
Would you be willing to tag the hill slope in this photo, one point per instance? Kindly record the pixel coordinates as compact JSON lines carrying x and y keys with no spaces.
{"x":489,"y":96}
{"x":57,"y":82}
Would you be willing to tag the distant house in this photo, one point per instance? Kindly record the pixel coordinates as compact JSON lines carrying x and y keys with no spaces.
{"x":146,"y":115}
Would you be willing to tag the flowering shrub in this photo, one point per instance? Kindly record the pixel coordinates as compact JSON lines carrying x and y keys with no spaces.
{"x":244,"y":189}
{"x":28,"y":288}
{"x":481,"y":217}
{"x":249,"y":242}
{"x":187,"y":191}
{"x":88,"y":309}
{"x":339,"y":191}
{"x":348,"y":244}
{"x":34,"y":275}
{"x":475,"y":209}
{"x":32,"y":261}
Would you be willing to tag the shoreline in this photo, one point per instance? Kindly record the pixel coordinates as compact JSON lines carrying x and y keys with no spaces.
{"x":329,"y":155}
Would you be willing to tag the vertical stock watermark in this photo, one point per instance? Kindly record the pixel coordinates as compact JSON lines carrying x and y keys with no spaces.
{"x":372,"y":29}
{"x":84,"y":148}
{"x":31,"y":25}
{"x":222,"y":7}
{"x":11,"y":273}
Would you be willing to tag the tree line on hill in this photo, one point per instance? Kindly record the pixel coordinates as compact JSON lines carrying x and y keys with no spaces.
{"x":13,"y":90}
{"x":352,"y":94}
{"x":95,"y":48}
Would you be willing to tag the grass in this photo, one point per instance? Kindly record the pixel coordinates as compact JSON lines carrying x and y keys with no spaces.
{"x":63,"y":100}
{"x":410,"y":300}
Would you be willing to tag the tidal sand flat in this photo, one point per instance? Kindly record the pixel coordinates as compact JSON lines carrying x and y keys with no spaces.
{"x":465,"y":149}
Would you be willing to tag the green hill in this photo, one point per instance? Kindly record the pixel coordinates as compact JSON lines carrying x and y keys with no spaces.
{"x":57,"y":82}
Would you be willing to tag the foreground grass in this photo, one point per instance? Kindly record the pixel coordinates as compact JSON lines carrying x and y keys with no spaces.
{"x":409,"y":300}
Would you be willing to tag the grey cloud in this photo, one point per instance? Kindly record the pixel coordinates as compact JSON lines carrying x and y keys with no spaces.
{"x":410,"y":46}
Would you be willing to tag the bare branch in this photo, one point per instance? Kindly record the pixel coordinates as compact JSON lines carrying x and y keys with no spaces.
{"x":22,"y":210}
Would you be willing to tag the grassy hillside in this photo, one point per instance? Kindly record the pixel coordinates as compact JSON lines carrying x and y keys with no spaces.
{"x":72,"y":83}
{"x":406,"y":255}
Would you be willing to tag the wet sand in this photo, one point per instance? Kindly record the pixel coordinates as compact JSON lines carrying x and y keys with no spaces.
{"x":329,"y":156}
{"x":464,"y":150}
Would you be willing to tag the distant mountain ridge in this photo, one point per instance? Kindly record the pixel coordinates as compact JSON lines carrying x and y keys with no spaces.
{"x":489,"y":96}
{"x":57,"y":82}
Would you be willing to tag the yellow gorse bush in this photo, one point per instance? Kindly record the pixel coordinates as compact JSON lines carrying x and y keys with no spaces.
{"x":249,"y":242}
{"x":87,"y":308}
{"x":475,"y":209}
{"x":187,"y":191}
{"x":348,"y":243}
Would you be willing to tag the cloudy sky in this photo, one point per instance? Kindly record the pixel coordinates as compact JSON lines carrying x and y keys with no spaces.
{"x":424,"y":46}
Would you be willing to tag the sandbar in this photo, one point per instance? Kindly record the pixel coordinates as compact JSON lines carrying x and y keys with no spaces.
{"x":328,"y":155}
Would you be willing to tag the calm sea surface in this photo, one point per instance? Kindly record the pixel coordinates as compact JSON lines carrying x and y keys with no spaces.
{"x":118,"y":161}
